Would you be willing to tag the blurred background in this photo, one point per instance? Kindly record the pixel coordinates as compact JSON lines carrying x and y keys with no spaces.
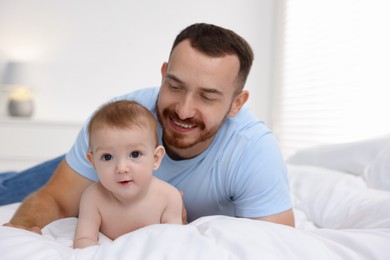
{"x":77,"y":54}
{"x":320,"y":73}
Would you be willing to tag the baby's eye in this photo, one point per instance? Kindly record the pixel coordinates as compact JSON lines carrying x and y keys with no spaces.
{"x":106,"y":157}
{"x":135,"y":154}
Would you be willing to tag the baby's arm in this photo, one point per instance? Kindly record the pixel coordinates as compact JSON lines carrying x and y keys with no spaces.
{"x":173,"y":211}
{"x":89,"y":221}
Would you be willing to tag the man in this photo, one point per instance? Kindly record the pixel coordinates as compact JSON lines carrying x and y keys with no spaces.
{"x":224,"y":160}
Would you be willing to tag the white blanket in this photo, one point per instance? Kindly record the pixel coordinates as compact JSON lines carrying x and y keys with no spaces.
{"x":214,"y":237}
{"x":337,"y":215}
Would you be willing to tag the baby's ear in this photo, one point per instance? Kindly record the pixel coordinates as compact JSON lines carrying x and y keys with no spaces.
{"x":159,"y":152}
{"x":90,"y":158}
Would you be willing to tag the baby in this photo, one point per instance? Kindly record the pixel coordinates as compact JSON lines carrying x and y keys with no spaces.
{"x":124,"y":151}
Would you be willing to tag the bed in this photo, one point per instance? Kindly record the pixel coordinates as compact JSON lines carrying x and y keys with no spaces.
{"x":341,"y":196}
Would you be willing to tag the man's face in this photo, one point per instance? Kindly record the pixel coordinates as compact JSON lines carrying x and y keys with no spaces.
{"x":196,"y":95}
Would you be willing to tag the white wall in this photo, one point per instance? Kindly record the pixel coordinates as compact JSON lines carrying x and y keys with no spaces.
{"x":82,"y":53}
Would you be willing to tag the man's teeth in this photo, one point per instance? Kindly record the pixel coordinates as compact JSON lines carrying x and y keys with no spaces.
{"x":183,"y":125}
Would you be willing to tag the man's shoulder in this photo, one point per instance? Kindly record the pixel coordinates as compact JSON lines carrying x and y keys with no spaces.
{"x":145,"y":96}
{"x":245,"y":135}
{"x":246,"y":126}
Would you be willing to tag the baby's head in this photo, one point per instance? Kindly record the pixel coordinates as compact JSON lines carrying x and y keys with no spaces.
{"x":123,"y":114}
{"x":124,"y":148}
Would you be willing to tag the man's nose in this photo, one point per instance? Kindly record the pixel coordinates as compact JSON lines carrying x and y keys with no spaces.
{"x":186,"y":108}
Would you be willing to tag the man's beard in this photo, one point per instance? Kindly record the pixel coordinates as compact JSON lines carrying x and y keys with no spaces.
{"x":177,"y":140}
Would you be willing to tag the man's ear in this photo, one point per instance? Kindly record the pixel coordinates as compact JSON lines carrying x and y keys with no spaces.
{"x":159,"y":152}
{"x":238,"y":102}
{"x":90,"y":158}
{"x":164,"y":69}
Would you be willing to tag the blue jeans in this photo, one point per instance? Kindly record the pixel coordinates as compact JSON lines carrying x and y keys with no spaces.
{"x":15,"y":186}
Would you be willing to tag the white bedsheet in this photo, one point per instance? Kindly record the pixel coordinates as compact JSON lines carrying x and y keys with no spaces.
{"x":337,"y":215}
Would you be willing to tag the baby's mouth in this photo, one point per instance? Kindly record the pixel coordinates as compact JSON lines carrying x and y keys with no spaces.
{"x":125,"y":182}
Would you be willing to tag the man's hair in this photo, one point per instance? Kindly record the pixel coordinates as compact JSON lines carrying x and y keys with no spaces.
{"x":123,"y":114}
{"x":216,"y":41}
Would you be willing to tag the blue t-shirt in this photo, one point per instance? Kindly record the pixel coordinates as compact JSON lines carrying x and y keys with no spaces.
{"x":241,"y":174}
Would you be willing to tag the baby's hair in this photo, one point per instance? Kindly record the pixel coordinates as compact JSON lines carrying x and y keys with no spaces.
{"x":123,"y":114}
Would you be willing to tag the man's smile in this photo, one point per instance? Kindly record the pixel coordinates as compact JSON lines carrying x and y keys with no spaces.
{"x":187,"y":126}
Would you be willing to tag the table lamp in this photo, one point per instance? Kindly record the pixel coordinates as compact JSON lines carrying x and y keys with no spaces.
{"x":20,"y":101}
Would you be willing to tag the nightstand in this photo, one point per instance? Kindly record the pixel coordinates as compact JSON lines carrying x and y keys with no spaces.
{"x":25,"y":142}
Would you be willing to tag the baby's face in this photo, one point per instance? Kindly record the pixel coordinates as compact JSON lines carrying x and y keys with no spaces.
{"x":124,"y":159}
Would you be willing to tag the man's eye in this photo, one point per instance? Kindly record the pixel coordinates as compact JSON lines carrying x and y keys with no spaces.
{"x":106,"y":157}
{"x":174,"y":87}
{"x":135,"y":154}
{"x":207,"y":98}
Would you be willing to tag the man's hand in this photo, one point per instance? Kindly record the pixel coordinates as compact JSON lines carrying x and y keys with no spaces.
{"x":59,"y":198}
{"x":34,"y":229}
{"x":184,"y":211}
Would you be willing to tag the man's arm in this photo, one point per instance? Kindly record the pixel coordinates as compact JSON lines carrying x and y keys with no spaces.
{"x":59,"y":198}
{"x":285,"y":218}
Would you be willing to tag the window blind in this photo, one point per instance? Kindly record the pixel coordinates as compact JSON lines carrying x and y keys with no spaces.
{"x":332,"y":75}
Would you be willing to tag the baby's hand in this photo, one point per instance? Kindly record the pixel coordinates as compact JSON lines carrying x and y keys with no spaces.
{"x":34,"y":229}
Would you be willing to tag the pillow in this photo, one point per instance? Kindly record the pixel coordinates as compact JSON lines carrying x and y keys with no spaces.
{"x":377,"y":173}
{"x":334,"y":200}
{"x":350,"y":157}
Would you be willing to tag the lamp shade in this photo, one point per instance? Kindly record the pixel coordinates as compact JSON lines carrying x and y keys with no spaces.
{"x":15,"y":73}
